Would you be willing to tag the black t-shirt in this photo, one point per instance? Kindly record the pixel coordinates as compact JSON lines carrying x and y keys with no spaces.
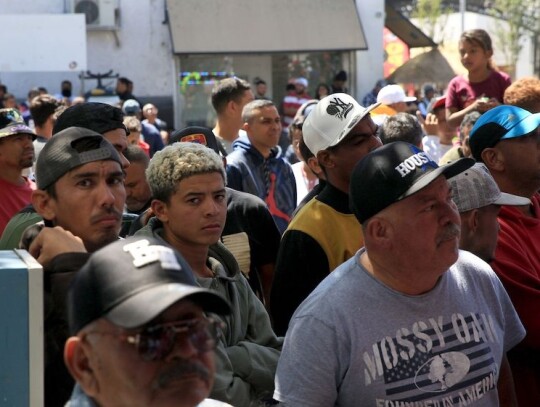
{"x":248,"y":213}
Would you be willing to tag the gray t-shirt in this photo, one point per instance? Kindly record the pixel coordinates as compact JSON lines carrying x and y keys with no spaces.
{"x":356,"y":342}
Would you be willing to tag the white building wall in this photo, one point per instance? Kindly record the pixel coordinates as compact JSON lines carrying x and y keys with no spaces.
{"x":369,"y":64}
{"x":140,"y":50}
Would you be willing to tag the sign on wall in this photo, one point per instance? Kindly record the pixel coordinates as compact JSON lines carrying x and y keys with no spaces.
{"x":396,"y":52}
{"x":43,"y":42}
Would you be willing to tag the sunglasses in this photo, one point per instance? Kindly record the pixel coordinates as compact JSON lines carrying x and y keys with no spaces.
{"x":156,"y":342}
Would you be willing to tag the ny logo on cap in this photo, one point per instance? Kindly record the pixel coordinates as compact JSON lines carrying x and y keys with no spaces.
{"x":339,"y":108}
{"x":143,"y":254}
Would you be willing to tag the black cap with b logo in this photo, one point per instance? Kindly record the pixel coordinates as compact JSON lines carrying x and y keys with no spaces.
{"x":132,"y":281}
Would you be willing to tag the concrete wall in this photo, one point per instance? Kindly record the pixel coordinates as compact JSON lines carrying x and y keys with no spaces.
{"x":369,"y":64}
{"x":140,"y":50}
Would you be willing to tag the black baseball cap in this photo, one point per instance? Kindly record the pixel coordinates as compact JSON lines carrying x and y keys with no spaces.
{"x":96,"y":116}
{"x":70,"y":149}
{"x":130,"y":282}
{"x":393,"y":172}
{"x":196,"y":134}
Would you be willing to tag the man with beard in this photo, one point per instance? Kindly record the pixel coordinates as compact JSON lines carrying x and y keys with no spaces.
{"x":16,"y":154}
{"x":80,"y":195}
{"x":140,"y":332}
{"x":409,"y":318}
{"x":98,"y":117}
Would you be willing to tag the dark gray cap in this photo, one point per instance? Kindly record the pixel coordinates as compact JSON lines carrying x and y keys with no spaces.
{"x":70,"y":149}
{"x":130,"y":282}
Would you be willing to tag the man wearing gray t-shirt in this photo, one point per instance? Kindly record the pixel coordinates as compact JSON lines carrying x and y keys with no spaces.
{"x":409,"y":320}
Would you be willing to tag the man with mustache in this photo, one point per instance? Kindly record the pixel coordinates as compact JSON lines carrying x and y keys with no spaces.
{"x":410,"y":319}
{"x":80,"y":195}
{"x":141,"y":332}
{"x":16,"y":154}
{"x":99,"y":117}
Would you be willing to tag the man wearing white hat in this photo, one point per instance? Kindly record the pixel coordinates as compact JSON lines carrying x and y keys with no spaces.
{"x":324,"y":233}
{"x":393,"y":100}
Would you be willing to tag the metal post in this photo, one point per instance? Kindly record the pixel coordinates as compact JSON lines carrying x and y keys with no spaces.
{"x":462,"y":8}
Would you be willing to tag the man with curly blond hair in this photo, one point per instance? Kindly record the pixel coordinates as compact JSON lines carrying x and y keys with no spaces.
{"x":188,"y":186}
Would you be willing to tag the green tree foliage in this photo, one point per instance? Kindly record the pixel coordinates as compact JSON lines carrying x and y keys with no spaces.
{"x":521,"y":17}
{"x":432,"y":16}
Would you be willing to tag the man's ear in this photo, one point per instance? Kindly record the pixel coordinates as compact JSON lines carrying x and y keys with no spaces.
{"x":314,"y":166}
{"x":44,"y":204}
{"x":245,"y":126}
{"x":160,"y":210}
{"x":379,"y":231}
{"x":77,"y":360}
{"x":493,"y":158}
{"x":324,"y":158}
{"x":469,"y":223}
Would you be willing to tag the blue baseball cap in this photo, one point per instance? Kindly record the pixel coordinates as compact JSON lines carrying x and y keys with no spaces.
{"x":501,"y":123}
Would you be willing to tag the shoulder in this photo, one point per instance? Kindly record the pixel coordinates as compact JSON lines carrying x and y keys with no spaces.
{"x":237,"y":155}
{"x":213,"y":403}
{"x":470,"y":270}
{"x":502,"y":76}
{"x":336,"y":290}
{"x":244,"y":201}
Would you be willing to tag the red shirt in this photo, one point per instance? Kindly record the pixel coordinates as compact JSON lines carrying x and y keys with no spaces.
{"x":13,"y":198}
{"x":143,"y":145}
{"x":517,"y":263}
{"x":461,"y":93}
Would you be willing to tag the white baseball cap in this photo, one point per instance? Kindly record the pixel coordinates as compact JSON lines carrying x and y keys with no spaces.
{"x":301,"y":81}
{"x":476,"y":188}
{"x":393,"y":94}
{"x":331,"y":120}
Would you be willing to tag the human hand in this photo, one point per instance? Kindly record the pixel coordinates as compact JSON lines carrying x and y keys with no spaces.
{"x":484,"y":104}
{"x":51,"y":242}
{"x":431,"y":124}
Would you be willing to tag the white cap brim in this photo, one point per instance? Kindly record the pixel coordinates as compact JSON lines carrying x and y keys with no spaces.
{"x":512,"y":200}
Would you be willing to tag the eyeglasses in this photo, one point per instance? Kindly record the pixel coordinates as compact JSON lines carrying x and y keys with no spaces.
{"x":157,"y":342}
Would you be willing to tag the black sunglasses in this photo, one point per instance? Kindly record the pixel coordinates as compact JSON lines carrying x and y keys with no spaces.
{"x":156,"y":342}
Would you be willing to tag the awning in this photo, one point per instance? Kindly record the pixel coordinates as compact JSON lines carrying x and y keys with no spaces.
{"x":402,"y":27}
{"x":430,"y":66}
{"x":262,"y":26}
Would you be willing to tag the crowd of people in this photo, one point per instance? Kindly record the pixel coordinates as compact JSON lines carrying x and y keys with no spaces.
{"x":305,"y":252}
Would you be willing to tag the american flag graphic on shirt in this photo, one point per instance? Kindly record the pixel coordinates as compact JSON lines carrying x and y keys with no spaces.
{"x":435,"y":362}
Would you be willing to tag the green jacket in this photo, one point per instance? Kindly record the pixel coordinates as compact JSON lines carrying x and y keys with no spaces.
{"x":247,"y":356}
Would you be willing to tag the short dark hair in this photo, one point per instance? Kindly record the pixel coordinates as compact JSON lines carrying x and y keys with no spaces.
{"x":257,"y":104}
{"x":226,"y":90}
{"x":401,"y":127}
{"x":135,"y":154}
{"x":305,"y":152}
{"x":42,"y":107}
{"x":469,"y":120}
{"x":124,"y":80}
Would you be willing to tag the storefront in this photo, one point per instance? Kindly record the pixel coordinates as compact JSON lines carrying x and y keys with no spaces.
{"x":273,"y":40}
